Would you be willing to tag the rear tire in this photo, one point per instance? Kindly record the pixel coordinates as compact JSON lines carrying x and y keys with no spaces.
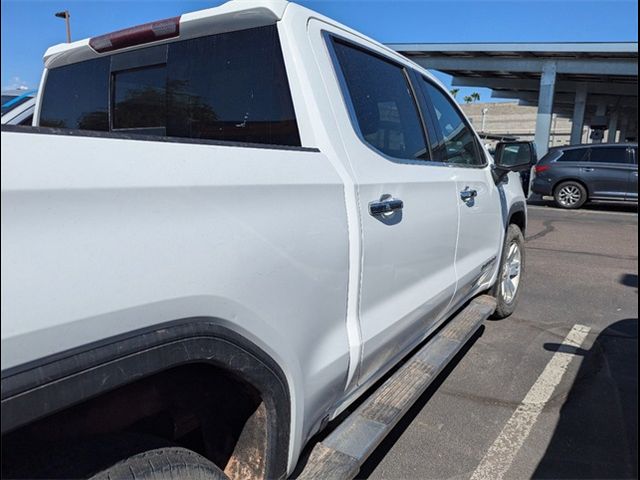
{"x":167,"y":463}
{"x":509,"y":282}
{"x":120,"y":456}
{"x":570,"y":195}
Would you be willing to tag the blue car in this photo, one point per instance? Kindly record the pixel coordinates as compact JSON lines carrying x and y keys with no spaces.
{"x":576,"y":174}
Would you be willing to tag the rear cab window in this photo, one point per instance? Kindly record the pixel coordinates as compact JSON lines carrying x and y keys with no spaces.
{"x":227,"y":87}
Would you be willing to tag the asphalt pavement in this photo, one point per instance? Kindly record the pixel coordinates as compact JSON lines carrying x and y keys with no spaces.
{"x":525,"y":399}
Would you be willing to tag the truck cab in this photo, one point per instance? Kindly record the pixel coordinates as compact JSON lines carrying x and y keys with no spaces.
{"x":224,"y":228}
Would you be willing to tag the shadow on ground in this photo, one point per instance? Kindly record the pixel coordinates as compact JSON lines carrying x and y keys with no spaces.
{"x":596,"y":435}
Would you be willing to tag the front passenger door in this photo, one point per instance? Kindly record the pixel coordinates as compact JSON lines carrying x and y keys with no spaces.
{"x":478,"y":199}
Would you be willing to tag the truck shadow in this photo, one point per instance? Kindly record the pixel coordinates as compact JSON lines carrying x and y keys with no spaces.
{"x":589,"y":206}
{"x":596,"y":434}
{"x":379,"y":454}
{"x":381,"y":451}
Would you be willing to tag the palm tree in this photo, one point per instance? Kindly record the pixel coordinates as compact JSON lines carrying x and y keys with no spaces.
{"x":454,"y":92}
{"x":475,"y":96}
{"x":468,"y":99}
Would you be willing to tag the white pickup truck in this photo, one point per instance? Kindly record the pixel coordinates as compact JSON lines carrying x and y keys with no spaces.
{"x":222,"y":230}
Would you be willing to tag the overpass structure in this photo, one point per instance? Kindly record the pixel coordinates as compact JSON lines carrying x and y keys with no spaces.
{"x":596,"y":84}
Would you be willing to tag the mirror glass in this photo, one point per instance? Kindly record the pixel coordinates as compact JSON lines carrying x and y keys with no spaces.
{"x":515,"y":154}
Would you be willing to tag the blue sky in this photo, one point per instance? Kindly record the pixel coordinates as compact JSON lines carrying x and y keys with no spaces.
{"x":29,"y":27}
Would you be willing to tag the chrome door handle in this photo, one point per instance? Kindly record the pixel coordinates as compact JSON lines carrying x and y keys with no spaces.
{"x":385,"y":206}
{"x":588,"y":169}
{"x":467,"y":194}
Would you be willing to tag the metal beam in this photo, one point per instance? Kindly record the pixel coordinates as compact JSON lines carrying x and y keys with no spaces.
{"x":577,"y":123}
{"x":545,"y":108}
{"x":525,"y":47}
{"x":567,"y":98}
{"x":610,"y":88}
{"x":532,"y":65}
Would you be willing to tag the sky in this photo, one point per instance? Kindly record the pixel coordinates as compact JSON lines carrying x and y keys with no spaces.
{"x":29,"y":26}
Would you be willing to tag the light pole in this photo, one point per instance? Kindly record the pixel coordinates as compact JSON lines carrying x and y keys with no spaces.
{"x":484,"y":114}
{"x":66,"y":17}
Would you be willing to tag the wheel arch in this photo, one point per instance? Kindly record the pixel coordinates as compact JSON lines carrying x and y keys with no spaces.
{"x":517,"y":216}
{"x":53,"y":384}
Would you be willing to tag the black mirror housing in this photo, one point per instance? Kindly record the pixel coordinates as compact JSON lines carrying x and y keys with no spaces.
{"x":513,"y":157}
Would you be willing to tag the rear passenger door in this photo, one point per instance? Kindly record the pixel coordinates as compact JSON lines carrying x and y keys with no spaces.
{"x":477,"y":198}
{"x":408,"y":254}
{"x":607,"y":172}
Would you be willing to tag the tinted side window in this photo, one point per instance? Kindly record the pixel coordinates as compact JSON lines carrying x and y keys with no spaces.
{"x":458,"y":143}
{"x":575,"y":155}
{"x":77,"y":96}
{"x":609,"y":155}
{"x":231,"y":86}
{"x":383,"y":104}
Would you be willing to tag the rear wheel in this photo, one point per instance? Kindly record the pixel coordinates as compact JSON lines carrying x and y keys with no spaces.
{"x":167,"y":463}
{"x":570,"y":195}
{"x":509,"y":282}
{"x":121,"y":456}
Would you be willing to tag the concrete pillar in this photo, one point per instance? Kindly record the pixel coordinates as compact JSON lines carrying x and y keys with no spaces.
{"x":601,"y":111}
{"x":613,"y":126}
{"x":577,"y":124}
{"x":545,"y":108}
{"x":624,"y":123}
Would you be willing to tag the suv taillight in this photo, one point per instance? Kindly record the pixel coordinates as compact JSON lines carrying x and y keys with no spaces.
{"x":148,"y":32}
{"x":542,"y":168}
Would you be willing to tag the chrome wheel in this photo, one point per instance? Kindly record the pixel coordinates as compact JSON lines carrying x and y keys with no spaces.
{"x":569,"y":195}
{"x":511,"y":273}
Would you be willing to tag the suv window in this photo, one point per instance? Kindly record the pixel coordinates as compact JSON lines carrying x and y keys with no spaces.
{"x":385,"y":110}
{"x":609,"y":155}
{"x":457,"y":143}
{"x":230,"y":86}
{"x":574,"y":155}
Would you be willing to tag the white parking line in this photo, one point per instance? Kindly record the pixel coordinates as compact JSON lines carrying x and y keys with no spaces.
{"x":500,"y":455}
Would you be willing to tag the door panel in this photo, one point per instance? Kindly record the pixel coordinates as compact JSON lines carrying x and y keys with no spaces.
{"x":480,"y":231}
{"x":407,"y":260}
{"x":480,"y":228}
{"x":607,"y":172}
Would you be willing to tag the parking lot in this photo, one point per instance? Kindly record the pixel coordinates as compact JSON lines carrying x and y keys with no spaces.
{"x":581,"y":270}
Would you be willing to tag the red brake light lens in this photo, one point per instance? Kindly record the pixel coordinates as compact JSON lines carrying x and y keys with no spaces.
{"x":542,"y":168}
{"x":145,"y":33}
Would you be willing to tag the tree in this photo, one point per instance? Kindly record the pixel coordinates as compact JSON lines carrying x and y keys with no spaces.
{"x":454,"y":92}
{"x":473,"y":97}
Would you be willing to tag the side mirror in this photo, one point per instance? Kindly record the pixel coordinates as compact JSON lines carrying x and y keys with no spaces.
{"x":513,"y":157}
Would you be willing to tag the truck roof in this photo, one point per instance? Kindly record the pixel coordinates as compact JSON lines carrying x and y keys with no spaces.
{"x":232,"y":15}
